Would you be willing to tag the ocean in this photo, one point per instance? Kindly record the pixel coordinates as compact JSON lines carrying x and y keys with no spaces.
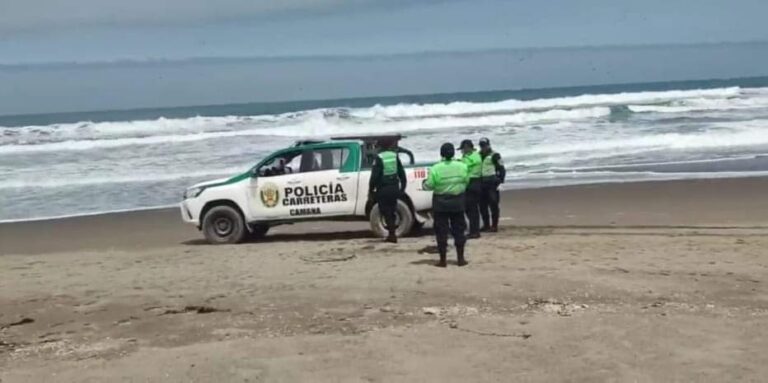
{"x":65,"y":164}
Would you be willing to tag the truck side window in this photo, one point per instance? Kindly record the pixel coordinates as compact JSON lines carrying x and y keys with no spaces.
{"x":369,"y":155}
{"x":287,"y":163}
{"x":339,"y":157}
{"x":324,"y":159}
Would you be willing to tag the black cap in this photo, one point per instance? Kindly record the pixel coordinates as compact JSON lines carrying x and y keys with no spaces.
{"x":447,"y":151}
{"x":485,"y":141}
{"x":466,"y":144}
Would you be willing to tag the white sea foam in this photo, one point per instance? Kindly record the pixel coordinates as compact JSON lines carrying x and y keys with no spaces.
{"x":669,"y":141}
{"x":704,"y":104}
{"x":87,"y":130}
{"x":462,"y":108}
{"x":318,"y":126}
{"x":148,"y":162}
{"x":52,"y":181}
{"x":394,"y":118}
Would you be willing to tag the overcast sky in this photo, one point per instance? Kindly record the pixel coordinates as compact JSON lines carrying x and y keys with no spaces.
{"x":88,"y":31}
{"x":99,"y":30}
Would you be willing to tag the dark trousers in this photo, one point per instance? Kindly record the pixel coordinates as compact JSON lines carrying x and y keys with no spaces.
{"x":473,"y":195}
{"x":489,"y":200}
{"x":453,"y":223}
{"x":386,"y":197}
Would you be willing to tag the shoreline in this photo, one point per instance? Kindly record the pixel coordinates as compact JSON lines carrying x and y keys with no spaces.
{"x":82,"y":215}
{"x":509,"y":187}
{"x":722,"y":203}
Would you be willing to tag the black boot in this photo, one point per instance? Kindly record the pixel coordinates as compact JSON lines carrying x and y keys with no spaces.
{"x":495,"y":225}
{"x":460,"y":256}
{"x":392,"y":237}
{"x":443,"y":258}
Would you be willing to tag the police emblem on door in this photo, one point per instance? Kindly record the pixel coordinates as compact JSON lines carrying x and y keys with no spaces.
{"x":270,"y":195}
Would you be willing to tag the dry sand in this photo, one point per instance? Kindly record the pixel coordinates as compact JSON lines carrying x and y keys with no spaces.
{"x":636,"y":282}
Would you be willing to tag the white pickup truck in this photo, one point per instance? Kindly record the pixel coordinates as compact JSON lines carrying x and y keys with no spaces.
{"x":313,"y":180}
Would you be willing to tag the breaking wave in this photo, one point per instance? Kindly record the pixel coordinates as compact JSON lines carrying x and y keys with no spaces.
{"x":311,"y":125}
{"x":53,"y":182}
{"x":462,"y":108}
{"x":405,"y":118}
{"x":96,"y":166}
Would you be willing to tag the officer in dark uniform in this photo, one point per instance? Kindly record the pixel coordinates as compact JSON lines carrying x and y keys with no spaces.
{"x":492,"y":174}
{"x":387,"y":184}
{"x":472,"y":159}
{"x":448,"y":180}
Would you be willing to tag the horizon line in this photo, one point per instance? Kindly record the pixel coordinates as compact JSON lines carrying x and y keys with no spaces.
{"x":385,"y":97}
{"x":360,"y":56}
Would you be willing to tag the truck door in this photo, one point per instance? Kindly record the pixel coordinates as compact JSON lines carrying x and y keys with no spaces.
{"x":327,"y":185}
{"x":266,"y":197}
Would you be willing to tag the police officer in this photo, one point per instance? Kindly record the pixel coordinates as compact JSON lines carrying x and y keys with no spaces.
{"x":474,"y":190}
{"x":387,"y":184}
{"x":492,"y":174}
{"x":448,"y":179}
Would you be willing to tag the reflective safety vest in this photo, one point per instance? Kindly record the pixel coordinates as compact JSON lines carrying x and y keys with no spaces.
{"x":488,"y":169}
{"x":388,"y":163}
{"x":448,"y":177}
{"x":474,"y":163}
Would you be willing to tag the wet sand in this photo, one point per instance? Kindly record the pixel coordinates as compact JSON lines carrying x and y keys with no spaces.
{"x":712,"y":203}
{"x":660,"y":281}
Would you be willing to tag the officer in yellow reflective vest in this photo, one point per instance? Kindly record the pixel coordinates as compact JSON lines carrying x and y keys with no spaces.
{"x":448,"y":180}
{"x":492,"y":174}
{"x":474,"y":190}
{"x":387,"y":184}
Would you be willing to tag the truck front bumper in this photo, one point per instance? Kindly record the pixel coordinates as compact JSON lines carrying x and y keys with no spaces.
{"x":189,"y":212}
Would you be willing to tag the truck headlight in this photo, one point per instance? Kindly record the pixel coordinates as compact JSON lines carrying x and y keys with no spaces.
{"x":193,"y":192}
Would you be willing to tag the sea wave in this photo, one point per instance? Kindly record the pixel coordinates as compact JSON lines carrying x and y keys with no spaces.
{"x":93,"y":166}
{"x":667,"y":141}
{"x":54,"y":182}
{"x":588,"y":100}
{"x":704,"y":104}
{"x":393,"y":118}
{"x":88,"y":130}
{"x":317,"y":126}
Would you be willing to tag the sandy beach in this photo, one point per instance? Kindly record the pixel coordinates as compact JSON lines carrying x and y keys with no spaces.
{"x":640,"y":282}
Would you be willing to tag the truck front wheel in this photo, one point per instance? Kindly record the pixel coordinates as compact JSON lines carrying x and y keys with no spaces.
{"x":223,"y":224}
{"x":403,"y":218}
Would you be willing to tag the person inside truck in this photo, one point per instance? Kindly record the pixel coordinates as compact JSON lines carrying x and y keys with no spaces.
{"x":279,"y":166}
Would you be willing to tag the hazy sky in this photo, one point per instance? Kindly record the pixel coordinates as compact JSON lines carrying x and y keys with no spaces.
{"x":87,"y":31}
{"x":98,"y":30}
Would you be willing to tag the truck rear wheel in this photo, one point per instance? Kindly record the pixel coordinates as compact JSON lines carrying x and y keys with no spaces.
{"x":223,"y":224}
{"x":403,"y":218}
